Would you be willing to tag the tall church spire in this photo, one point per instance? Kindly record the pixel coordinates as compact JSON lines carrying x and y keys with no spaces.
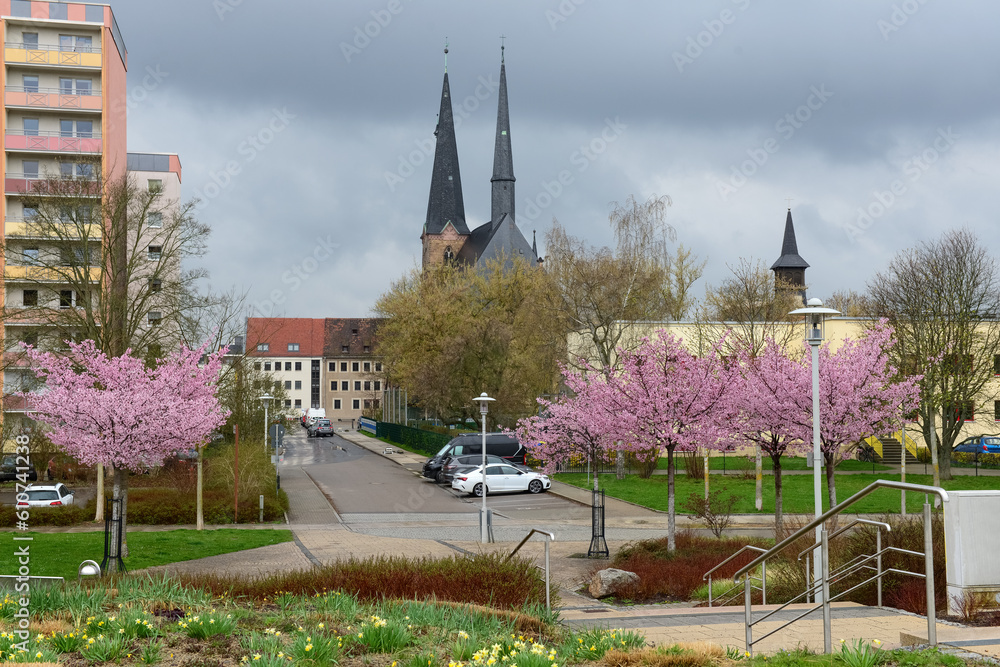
{"x":445,"y":204}
{"x":503,"y":163}
{"x":790,"y":268}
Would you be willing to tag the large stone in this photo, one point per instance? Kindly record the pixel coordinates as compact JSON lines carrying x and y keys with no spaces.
{"x":607,"y":581}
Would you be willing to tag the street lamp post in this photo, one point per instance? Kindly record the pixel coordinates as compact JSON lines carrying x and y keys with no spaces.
{"x":484,"y":408}
{"x":815,"y":316}
{"x":267,"y":401}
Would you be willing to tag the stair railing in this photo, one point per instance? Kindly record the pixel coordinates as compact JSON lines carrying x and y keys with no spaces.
{"x":861,"y":560}
{"x":730,"y":593}
{"x":823,"y":585}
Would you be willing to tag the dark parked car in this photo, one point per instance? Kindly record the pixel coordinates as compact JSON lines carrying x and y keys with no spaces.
{"x":456,"y":464}
{"x":320,"y":428}
{"x":503,"y":445}
{"x":9,"y":469}
{"x":979,"y":444}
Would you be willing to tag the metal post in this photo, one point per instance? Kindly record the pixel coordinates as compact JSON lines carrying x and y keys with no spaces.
{"x":746,"y":612}
{"x":929,"y":576}
{"x":548,"y":603}
{"x":902,"y":469}
{"x":825,"y":556}
{"x":878,"y":563}
{"x":265,"y":424}
{"x":817,"y":452}
{"x":709,"y":590}
{"x":763,"y":582}
{"x":483,"y":537}
{"x":808,"y":580}
{"x":262,"y":508}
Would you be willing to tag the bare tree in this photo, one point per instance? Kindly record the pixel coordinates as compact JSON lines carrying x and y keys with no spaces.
{"x":849,"y":303}
{"x":943,"y":300}
{"x":752,"y":305}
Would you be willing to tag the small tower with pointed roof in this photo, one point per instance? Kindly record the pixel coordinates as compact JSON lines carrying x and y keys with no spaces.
{"x":790,"y":269}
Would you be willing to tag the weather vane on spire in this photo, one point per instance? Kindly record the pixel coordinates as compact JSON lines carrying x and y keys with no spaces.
{"x":445,"y":55}
{"x":789,"y":200}
{"x":502,"y":38}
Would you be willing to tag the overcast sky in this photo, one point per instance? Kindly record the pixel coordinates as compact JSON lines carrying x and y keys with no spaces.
{"x":323,"y":112}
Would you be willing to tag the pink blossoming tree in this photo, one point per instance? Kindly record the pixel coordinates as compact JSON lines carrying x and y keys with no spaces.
{"x":118,"y":412}
{"x":665,"y":398}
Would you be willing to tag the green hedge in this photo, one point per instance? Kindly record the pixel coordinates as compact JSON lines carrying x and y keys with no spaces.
{"x":416,"y":440}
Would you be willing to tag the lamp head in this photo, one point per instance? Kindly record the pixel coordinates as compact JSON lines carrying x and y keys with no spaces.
{"x":484,"y":403}
{"x":815,"y":316}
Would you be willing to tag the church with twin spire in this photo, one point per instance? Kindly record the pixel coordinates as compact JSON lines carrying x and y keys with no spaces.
{"x":446,"y":236}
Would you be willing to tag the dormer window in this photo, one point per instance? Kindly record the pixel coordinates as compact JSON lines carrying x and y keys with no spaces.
{"x":354,"y":332}
{"x":345,"y":349}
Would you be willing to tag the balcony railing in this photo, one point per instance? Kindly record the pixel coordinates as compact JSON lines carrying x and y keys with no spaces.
{"x":50,"y":229}
{"x":46,"y":185}
{"x":58,"y":142}
{"x":52,"y":98}
{"x":20,"y":272}
{"x":47,"y":54}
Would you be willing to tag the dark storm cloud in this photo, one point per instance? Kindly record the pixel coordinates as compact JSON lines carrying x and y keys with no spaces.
{"x":707,"y":96}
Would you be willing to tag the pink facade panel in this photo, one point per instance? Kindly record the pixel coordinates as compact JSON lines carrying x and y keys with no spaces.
{"x":77,"y":12}
{"x":115,"y":151}
{"x":16,"y":142}
{"x":39,"y":10}
{"x":4,"y":7}
{"x":17,"y":98}
{"x":175,"y":166}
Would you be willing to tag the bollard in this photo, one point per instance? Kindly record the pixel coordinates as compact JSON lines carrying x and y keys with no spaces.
{"x":262,"y":508}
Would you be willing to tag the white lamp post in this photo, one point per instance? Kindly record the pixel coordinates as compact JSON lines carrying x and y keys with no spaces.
{"x":267,"y":401}
{"x":815,"y":317}
{"x":484,"y":408}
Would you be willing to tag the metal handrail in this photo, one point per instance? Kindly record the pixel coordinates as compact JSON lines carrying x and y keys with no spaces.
{"x":763,"y":575}
{"x":853,"y":523}
{"x":552,"y":538}
{"x":52,"y":47}
{"x":824,"y":583}
{"x":53,"y":91}
{"x":76,"y":134}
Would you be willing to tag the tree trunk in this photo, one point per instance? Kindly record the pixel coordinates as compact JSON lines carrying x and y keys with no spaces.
{"x":932,"y":439}
{"x":831,"y":487}
{"x":620,"y":464}
{"x":118,"y":512}
{"x":671,"y":519}
{"x":759,"y":490}
{"x":99,"y":513}
{"x":778,"y":510}
{"x":200,"y":520}
{"x":706,"y":474}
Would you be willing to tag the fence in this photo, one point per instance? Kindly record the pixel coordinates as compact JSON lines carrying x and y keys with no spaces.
{"x":369,"y":425}
{"x":427,"y":443}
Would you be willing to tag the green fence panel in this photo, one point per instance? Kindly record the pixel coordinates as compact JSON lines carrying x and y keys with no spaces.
{"x":427,"y":443}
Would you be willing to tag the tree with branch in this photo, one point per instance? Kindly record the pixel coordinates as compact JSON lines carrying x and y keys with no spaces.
{"x":120,"y":412}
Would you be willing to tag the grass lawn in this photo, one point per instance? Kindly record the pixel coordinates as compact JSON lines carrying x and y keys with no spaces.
{"x":60,"y":554}
{"x":735,"y":462}
{"x":797,"y":491}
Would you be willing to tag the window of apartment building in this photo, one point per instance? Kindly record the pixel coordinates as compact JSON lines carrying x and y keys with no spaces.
{"x":277,"y":385}
{"x":965,"y":412}
{"x":331,"y":367}
{"x":333,"y":385}
{"x":76,"y":255}
{"x":354,"y":332}
{"x":378,"y":385}
{"x":30,"y":168}
{"x":368,"y":385}
{"x":343,"y":366}
{"x":288,"y":402}
{"x":154,"y":317}
{"x":996,"y":411}
{"x":368,"y":367}
{"x":76,"y":128}
{"x":314,"y":385}
{"x":80,"y":43}
{"x":29,"y":297}
{"x":76,"y":170}
{"x":298,"y":365}
{"x":154,"y":219}
{"x":298,"y":384}
{"x":354,"y":366}
{"x":345,"y":348}
{"x":267,"y":365}
{"x":155,"y":251}
{"x":288,"y":384}
{"x":263,"y":347}
{"x":69,"y":86}
{"x":82,"y":299}
{"x":29,"y":82}
{"x":31,"y":256}
{"x":356,"y":404}
{"x":256,"y":366}
{"x":288,"y":365}
{"x":155,"y":285}
{"x":29,"y":338}
{"x":368,"y":404}
{"x":154,"y":185}
{"x":30,"y":126}
{"x":66,"y":298}
{"x":344,"y":385}
{"x":357,"y":385}
{"x":29,"y":211}
{"x":367,"y":349}
{"x":293,"y":347}
{"x":29,"y":40}
{"x":996,"y":364}
{"x":378,"y":366}
{"x":298,"y":402}
{"x":336,"y":404}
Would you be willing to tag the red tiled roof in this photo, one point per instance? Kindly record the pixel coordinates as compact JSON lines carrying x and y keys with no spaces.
{"x":280,"y":332}
{"x":354,"y":334}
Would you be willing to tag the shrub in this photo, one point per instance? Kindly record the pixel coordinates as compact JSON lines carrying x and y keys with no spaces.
{"x":164,"y":506}
{"x":694,"y":465}
{"x":971,"y":604}
{"x":486,"y":579}
{"x":716,"y":510}
{"x":55,"y":516}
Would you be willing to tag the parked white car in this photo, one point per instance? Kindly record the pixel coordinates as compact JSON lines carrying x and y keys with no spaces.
{"x":48,"y":495}
{"x":500,"y":479}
